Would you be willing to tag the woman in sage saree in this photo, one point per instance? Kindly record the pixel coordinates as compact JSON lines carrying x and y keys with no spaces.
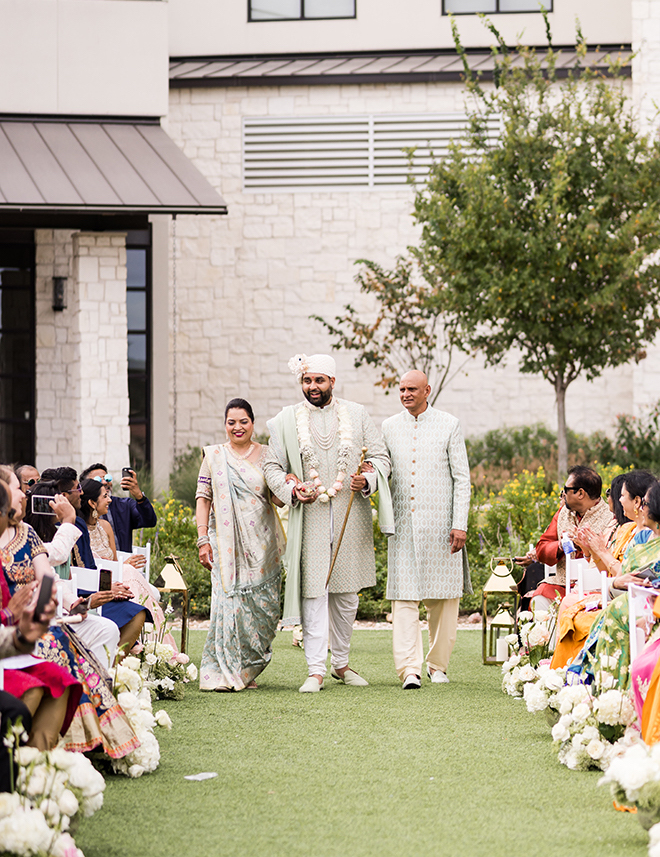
{"x":240,"y":542}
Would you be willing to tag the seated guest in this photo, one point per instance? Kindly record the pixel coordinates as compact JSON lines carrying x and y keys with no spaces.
{"x":577,"y":614}
{"x":98,"y":719}
{"x":18,"y":641}
{"x":27,"y":476}
{"x":59,"y":534}
{"x":127,"y":513}
{"x":606,"y":652}
{"x":582,"y":505}
{"x":95,"y":502}
{"x":49,"y":691}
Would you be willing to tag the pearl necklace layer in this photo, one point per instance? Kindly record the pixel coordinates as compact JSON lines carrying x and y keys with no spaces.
{"x":240,"y":457}
{"x":342,"y":424}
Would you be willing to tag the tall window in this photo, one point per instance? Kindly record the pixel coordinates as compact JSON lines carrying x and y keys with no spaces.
{"x":138,"y":309}
{"x":17,"y":348}
{"x":297,"y":10}
{"x":471,"y":7}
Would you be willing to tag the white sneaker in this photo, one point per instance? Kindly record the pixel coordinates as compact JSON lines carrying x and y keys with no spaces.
{"x":412,"y":682}
{"x":311,"y":685}
{"x":437,"y":676}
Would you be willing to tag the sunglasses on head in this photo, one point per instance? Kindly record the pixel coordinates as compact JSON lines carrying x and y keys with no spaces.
{"x":106,"y":478}
{"x":29,"y":482}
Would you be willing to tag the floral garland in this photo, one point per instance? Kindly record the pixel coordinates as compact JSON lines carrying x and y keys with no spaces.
{"x":310,"y":457}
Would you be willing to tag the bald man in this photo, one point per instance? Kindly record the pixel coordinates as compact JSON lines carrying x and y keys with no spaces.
{"x":427,"y":560}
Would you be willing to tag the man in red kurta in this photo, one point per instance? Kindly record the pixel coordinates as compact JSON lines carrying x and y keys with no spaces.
{"x":582,"y":504}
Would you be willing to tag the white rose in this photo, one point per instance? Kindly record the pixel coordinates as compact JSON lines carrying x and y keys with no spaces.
{"x":538,"y":636}
{"x":595,"y":748}
{"x":591,"y":733}
{"x":525,"y":616}
{"x":527,"y":673}
{"x":132,"y":663}
{"x":511,"y":639}
{"x":27,"y":755}
{"x":181,"y":658}
{"x":581,"y":712}
{"x":553,"y":680}
{"x":68,"y":803}
{"x":560,"y":732}
{"x":654,"y":835}
{"x":191,"y":672}
{"x":151,"y":659}
{"x":9,"y":802}
{"x":128,"y":701}
{"x":163,"y":719}
{"x":148,"y":628}
{"x":541,"y":616}
{"x":65,"y":846}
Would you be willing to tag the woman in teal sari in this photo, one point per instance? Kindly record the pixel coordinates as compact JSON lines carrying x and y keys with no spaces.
{"x":240,"y":541}
{"x":605,"y":656}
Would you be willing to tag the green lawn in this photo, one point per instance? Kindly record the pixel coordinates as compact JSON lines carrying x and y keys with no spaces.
{"x":455,"y":769}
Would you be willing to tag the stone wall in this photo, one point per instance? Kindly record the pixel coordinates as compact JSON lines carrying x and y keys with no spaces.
{"x":82,"y":381}
{"x":248,"y":283}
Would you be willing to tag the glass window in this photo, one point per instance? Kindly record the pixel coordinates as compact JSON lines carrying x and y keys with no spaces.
{"x":471,"y":7}
{"x":138,"y":302}
{"x":295,"y":10}
{"x":136,"y":309}
{"x":17,"y":348}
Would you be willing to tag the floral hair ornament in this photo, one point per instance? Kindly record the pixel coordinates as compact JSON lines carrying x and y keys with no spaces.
{"x":298,"y":366}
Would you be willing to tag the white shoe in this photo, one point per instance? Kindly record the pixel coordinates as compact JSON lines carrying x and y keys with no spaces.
{"x":412,"y":682}
{"x":350,"y":678}
{"x":311,"y":685}
{"x":437,"y":676}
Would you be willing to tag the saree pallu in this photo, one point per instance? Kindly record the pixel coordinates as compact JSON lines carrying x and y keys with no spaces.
{"x":247,"y":542}
{"x":99,"y":720}
{"x":608,"y":643}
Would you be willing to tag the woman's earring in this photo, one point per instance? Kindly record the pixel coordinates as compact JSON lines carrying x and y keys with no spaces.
{"x":95,"y":514}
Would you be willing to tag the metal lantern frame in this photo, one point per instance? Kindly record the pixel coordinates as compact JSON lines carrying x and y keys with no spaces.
{"x":500,"y":582}
{"x":171,"y":580}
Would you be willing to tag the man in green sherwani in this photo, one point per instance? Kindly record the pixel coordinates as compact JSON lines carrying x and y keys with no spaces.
{"x":319,"y":442}
{"x":426,"y":556}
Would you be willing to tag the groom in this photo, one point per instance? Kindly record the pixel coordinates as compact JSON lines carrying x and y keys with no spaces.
{"x":320,"y":441}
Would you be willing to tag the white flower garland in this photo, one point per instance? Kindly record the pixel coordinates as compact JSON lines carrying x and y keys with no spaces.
{"x":310,"y":457}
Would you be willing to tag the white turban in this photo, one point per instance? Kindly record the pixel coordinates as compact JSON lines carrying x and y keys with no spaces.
{"x":317,"y":364}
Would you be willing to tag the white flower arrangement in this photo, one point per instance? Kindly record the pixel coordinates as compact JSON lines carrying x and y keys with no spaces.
{"x":52,"y":790}
{"x":634,"y":780}
{"x":134,"y":694}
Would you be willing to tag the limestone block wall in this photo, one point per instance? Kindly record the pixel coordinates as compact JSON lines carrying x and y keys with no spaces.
{"x":82,"y":382}
{"x":248,"y":283}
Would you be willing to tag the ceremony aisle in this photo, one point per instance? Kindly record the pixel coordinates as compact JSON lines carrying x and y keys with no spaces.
{"x":457,"y":769}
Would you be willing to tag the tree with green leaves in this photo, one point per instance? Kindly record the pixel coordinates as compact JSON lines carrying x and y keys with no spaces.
{"x":546,"y":241}
{"x":410,"y":327}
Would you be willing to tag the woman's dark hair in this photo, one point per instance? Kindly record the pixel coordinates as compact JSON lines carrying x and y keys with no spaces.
{"x":653,"y":507}
{"x":243,"y":405}
{"x":91,"y":490}
{"x":45,"y":526}
{"x":615,"y":496}
{"x":638,"y":482}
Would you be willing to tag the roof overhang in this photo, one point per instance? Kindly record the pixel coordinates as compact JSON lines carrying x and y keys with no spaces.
{"x":98,"y":166}
{"x":370,"y":67}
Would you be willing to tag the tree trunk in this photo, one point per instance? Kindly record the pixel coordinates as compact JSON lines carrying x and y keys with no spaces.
{"x":562,"y":443}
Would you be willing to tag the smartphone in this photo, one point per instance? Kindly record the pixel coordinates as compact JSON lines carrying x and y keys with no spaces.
{"x":647,"y":574}
{"x":81,"y":608}
{"x":41,"y":505}
{"x":126,"y":472}
{"x":105,"y":580}
{"x":45,"y":592}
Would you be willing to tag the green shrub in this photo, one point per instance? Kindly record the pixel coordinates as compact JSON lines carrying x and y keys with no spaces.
{"x":636,"y":441}
{"x":183,"y":479}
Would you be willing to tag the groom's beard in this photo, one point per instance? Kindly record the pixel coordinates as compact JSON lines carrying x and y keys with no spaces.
{"x":319,"y":401}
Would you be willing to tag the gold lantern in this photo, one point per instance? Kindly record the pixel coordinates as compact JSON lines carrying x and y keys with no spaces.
{"x":504,"y":620}
{"x":171,"y":580}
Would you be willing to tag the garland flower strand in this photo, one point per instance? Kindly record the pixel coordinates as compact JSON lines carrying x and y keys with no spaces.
{"x":310,"y":457}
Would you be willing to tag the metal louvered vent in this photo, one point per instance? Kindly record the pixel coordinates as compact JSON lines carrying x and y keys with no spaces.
{"x":343,"y":152}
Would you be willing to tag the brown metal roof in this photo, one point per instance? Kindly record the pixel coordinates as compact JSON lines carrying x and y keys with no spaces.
{"x":49,"y":164}
{"x":360,"y":67}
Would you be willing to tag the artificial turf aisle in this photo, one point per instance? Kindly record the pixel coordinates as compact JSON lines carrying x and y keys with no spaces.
{"x":455,"y":769}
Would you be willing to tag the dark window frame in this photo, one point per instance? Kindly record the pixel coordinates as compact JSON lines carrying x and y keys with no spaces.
{"x":141,"y":240}
{"x":302,"y":17}
{"x":547,"y":3}
{"x":11,"y":238}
